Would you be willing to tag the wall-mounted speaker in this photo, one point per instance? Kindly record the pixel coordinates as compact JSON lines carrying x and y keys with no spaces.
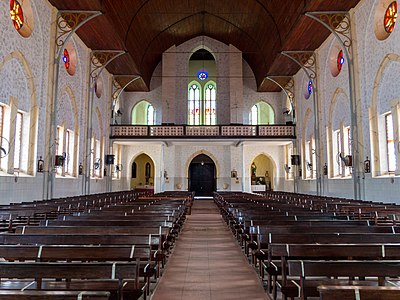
{"x":59,"y":160}
{"x":110,"y":159}
{"x":295,"y":160}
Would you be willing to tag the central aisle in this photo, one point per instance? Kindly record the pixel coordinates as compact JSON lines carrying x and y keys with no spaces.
{"x":207,"y":263}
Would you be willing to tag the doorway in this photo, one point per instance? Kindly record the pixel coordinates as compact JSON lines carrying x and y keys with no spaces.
{"x":202,"y":179}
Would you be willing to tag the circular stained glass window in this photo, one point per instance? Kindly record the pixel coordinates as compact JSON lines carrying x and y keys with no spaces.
{"x":309,"y":87}
{"x":390,"y":17}
{"x":202,"y":75}
{"x":340,"y":60}
{"x":66,"y":59}
{"x":16,"y":14}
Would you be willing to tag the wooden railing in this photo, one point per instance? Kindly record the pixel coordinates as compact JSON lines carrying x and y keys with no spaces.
{"x":214,"y":131}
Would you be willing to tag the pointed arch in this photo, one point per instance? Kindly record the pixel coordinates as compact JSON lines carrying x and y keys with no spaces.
{"x":31,"y":145}
{"x":205,"y":152}
{"x":143,"y":113}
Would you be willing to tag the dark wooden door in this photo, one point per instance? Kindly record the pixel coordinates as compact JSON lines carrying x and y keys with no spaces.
{"x":202,"y":178}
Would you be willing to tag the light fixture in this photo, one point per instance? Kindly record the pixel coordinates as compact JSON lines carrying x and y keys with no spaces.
{"x":367,"y":166}
{"x":40,"y":164}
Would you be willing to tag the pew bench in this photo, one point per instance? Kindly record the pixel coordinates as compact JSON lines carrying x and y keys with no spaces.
{"x":308,"y":275}
{"x":117,"y":278}
{"x":359,"y":292}
{"x":52,"y":295}
{"x":284,"y":252}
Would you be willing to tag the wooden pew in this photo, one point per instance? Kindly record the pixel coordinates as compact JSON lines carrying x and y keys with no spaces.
{"x":116,"y":278}
{"x":285,"y":252}
{"x":52,"y":295}
{"x":359,"y":292}
{"x":86,"y":253}
{"x":303,"y":269}
{"x":12,"y":245}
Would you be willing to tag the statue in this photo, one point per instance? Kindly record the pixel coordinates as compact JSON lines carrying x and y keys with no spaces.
{"x":253,"y":169}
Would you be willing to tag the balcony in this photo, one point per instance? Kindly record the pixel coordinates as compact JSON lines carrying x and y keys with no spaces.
{"x":203,"y":132}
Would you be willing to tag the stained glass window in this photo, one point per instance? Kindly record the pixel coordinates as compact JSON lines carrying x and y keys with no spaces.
{"x":66,"y":59}
{"x":202,"y":74}
{"x":390,"y":17}
{"x":340,"y":60}
{"x":210,"y":112}
{"x":17,"y":16}
{"x":194,"y":104}
{"x":309,"y":87}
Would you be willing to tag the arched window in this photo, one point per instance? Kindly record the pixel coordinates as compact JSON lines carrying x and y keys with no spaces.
{"x":210,"y":104}
{"x":69,"y":151}
{"x":262,"y":114}
{"x":16,"y":14}
{"x":254,"y":115}
{"x":150,"y":115}
{"x":143,"y":113}
{"x":202,"y":89}
{"x":66,"y":59}
{"x":390,"y":144}
{"x":194,"y":104}
{"x":340,"y":60}
{"x":18,"y":140}
{"x":390,"y":18}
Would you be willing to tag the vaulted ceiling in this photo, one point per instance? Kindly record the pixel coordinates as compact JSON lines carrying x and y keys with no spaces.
{"x":261,"y":29}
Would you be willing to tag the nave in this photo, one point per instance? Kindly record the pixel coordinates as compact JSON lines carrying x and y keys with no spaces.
{"x":130,"y":245}
{"x":207,"y":263}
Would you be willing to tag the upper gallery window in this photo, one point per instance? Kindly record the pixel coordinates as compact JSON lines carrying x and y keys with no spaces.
{"x":340,"y":60}
{"x":16,"y":14}
{"x":22,"y":17}
{"x":390,"y":17}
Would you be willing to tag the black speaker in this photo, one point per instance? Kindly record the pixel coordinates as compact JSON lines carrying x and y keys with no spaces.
{"x":110,"y":159}
{"x":295,"y":160}
{"x":59,"y":161}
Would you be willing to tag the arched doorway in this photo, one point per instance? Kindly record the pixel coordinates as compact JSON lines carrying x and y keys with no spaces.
{"x":202,"y":179}
{"x":142,"y":172}
{"x":262,"y":173}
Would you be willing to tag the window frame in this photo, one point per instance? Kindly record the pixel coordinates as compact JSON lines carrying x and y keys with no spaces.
{"x":19,"y":126}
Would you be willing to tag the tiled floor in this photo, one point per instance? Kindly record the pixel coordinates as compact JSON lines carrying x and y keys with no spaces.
{"x":207,"y":263}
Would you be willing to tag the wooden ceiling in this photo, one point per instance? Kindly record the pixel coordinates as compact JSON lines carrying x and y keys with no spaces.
{"x":261,"y":29}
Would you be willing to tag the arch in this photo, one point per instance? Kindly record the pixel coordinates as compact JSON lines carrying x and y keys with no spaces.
{"x":202,"y":179}
{"x":74,"y":105}
{"x":333,"y":103}
{"x":99,"y":117}
{"x":375,"y":146}
{"x":139,"y":113}
{"x":273,"y":163}
{"x":34,"y":109}
{"x":390,"y":57}
{"x":306,"y":120}
{"x":136,"y":181}
{"x":27,"y":70}
{"x":209,"y":154}
{"x":265,"y":112}
{"x":199,"y":47}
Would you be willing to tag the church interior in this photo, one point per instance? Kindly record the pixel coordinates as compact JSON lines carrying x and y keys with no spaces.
{"x":199,"y":149}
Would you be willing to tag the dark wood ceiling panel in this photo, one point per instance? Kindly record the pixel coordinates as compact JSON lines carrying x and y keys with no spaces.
{"x":261,"y":29}
{"x":78,"y":5}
